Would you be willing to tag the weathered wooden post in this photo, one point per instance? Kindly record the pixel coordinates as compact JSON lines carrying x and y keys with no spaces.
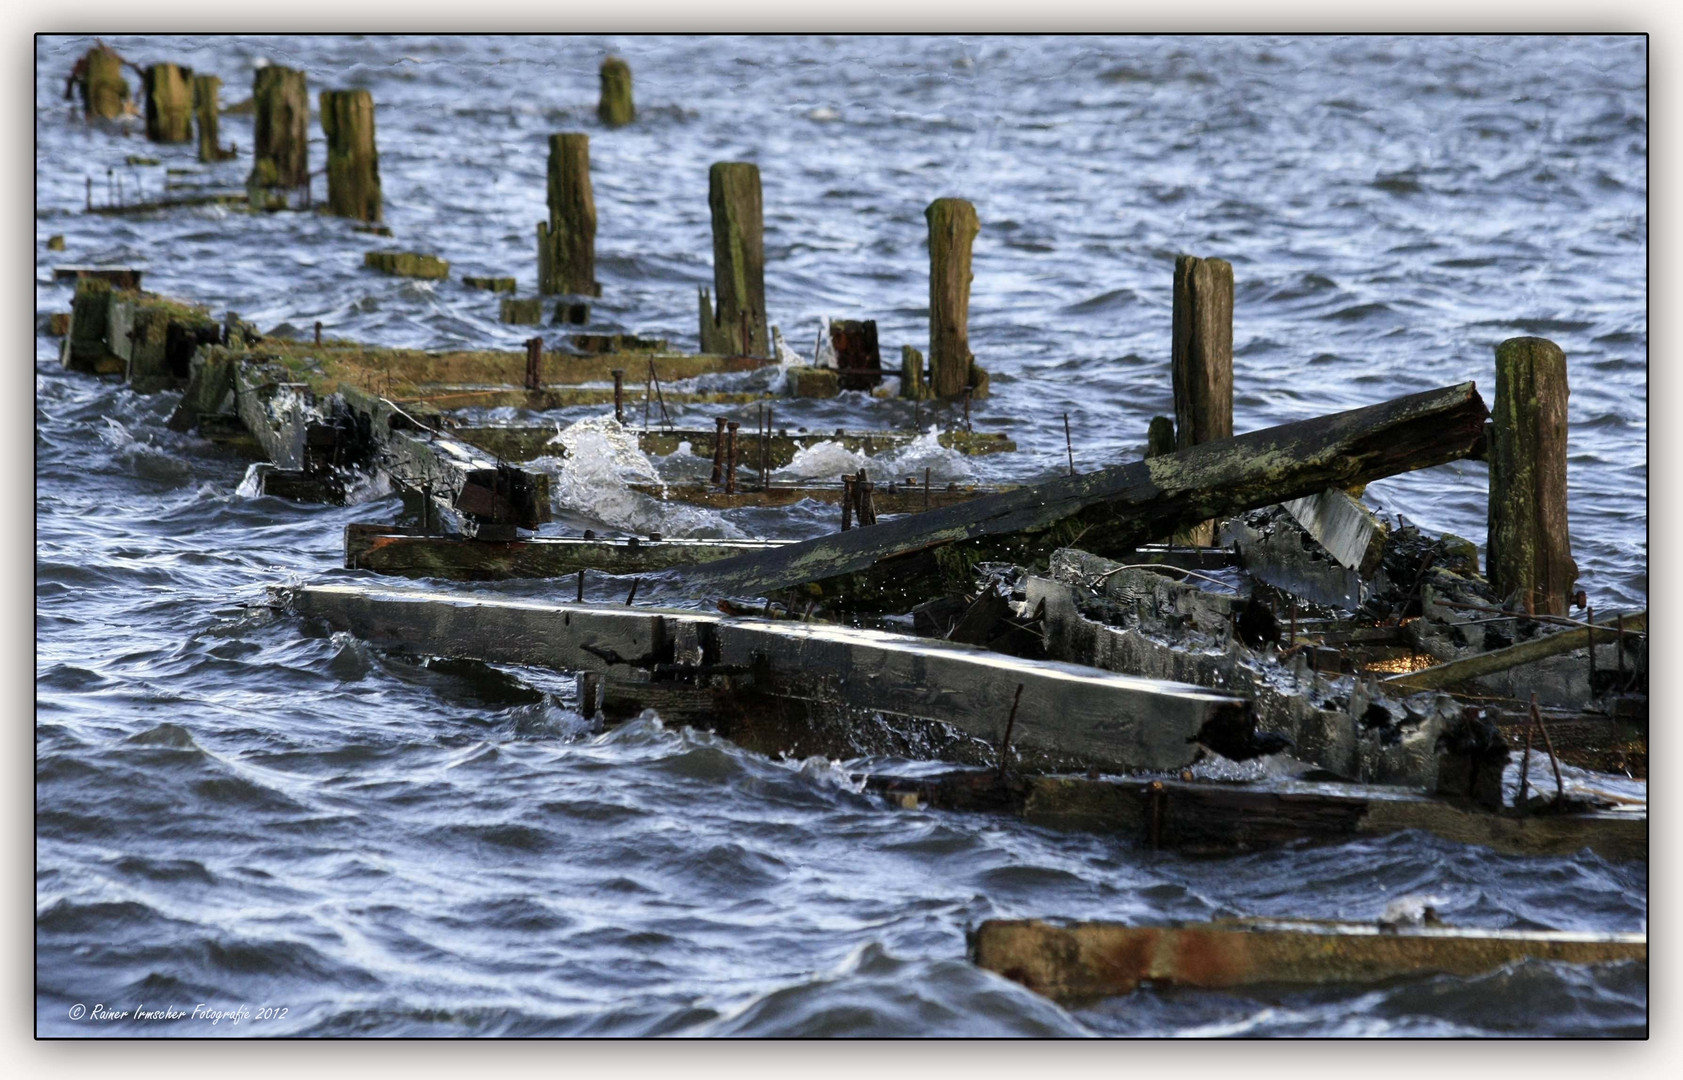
{"x":1530,"y":549}
{"x":1160,"y":438}
{"x":567,"y":242}
{"x":615,"y":108}
{"x":207,"y":110}
{"x":718,"y":450}
{"x":534,"y":364}
{"x":169,"y":103}
{"x":952,"y":229}
{"x":911,"y":374}
{"x":619,"y":395}
{"x":1202,"y":359}
{"x":280,"y":121}
{"x":98,"y":76}
{"x":353,"y":162}
{"x":738,"y":326}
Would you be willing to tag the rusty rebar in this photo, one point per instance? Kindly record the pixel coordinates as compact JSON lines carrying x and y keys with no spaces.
{"x":1069,"y":447}
{"x":1010,"y":722}
{"x":1554,"y":762}
{"x":619,"y":396}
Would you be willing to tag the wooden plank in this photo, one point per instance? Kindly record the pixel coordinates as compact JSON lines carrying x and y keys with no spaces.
{"x":897,"y":563}
{"x":1209,"y":817}
{"x":388,"y":550}
{"x":1067,"y":713}
{"x":1088,"y":960}
{"x":905,"y":496}
{"x":1440,"y":676}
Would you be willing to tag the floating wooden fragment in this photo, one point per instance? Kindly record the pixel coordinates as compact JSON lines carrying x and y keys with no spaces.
{"x":489,"y":284}
{"x":738,"y":326}
{"x":900,"y":563}
{"x":122,"y":277}
{"x":903,"y":497}
{"x":1084,"y":961}
{"x":169,"y":103}
{"x":567,"y":242}
{"x":521,"y":311}
{"x":1219,"y":817}
{"x":1440,"y":676}
{"x":353,"y":161}
{"x":781,"y":449}
{"x":1067,"y":712}
{"x":281,"y":134}
{"x":411,"y":264}
{"x":599,"y":344}
{"x":615,"y":107}
{"x":1530,"y":548}
{"x":386,"y":549}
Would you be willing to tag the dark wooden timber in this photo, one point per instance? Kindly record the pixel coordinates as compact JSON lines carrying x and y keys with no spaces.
{"x":385,"y":549}
{"x":1084,"y":961}
{"x":1530,"y":548}
{"x":281,"y":130}
{"x":893,"y":497}
{"x":858,"y":357}
{"x":738,"y":325}
{"x":952,"y":229}
{"x":1213,"y":817}
{"x":353,"y":162}
{"x":1202,"y":363}
{"x":615,"y":107}
{"x":903,"y":562}
{"x":567,"y":242}
{"x":1067,"y":712}
{"x":169,"y":103}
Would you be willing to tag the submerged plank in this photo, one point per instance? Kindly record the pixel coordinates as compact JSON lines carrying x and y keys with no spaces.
{"x":386,"y":549}
{"x":1083,"y":961}
{"x":1066,"y":712}
{"x":900,"y":562}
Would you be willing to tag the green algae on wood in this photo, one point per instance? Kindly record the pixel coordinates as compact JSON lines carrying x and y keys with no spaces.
{"x":169,"y":103}
{"x":1530,"y":547}
{"x":913,"y":385}
{"x":489,"y":284}
{"x":206,"y":90}
{"x":84,"y":348}
{"x":410,"y":264}
{"x":521,"y":311}
{"x":615,"y":107}
{"x":812,"y":382}
{"x":737,"y":326}
{"x":567,"y":242}
{"x":353,"y":162}
{"x":281,"y":134}
{"x":98,"y":76}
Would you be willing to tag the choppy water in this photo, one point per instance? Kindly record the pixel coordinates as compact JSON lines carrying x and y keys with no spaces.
{"x":231,"y":812}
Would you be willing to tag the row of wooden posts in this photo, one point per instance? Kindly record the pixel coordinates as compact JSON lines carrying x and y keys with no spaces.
{"x":1529,"y":549}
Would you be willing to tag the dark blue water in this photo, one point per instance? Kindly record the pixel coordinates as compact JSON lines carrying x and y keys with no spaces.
{"x":230,"y":812}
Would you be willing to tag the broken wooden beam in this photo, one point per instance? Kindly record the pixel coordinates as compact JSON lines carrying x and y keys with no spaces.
{"x":445,"y":397}
{"x":386,"y":549}
{"x":1345,"y":528}
{"x":1205,"y":817}
{"x":84,"y":346}
{"x":1084,"y":961}
{"x":899,"y":563}
{"x":1068,"y":713}
{"x":1442,"y":676}
{"x":156,"y":338}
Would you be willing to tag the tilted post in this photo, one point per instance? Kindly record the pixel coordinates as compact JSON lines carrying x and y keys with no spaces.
{"x":567,"y":242}
{"x":1202,"y":359}
{"x":615,"y":108}
{"x":738,"y":326}
{"x":952,"y":229}
{"x":169,"y":103}
{"x":1530,"y":548}
{"x":353,"y":162}
{"x":280,"y":132}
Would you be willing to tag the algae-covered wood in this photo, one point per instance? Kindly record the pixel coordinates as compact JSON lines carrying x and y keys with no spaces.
{"x":207,"y":90}
{"x":1530,"y":546}
{"x":353,"y":162}
{"x":567,"y":243}
{"x":738,"y":324}
{"x":615,"y":107}
{"x":169,"y":103}
{"x":899,"y":563}
{"x":281,"y":133}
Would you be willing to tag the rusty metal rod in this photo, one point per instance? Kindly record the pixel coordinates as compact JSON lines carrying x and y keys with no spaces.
{"x":1010,"y":722}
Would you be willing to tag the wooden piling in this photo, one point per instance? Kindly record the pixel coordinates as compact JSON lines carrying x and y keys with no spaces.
{"x":99,"y":78}
{"x":912,"y":383}
{"x":1160,"y":439}
{"x":534,"y":363}
{"x":169,"y":103}
{"x":1202,"y":364}
{"x":952,"y":230}
{"x":615,"y":108}
{"x":738,"y":326}
{"x":1530,"y":548}
{"x":619,"y":395}
{"x":567,"y":242}
{"x":353,"y":162}
{"x":280,"y":123}
{"x":207,"y":111}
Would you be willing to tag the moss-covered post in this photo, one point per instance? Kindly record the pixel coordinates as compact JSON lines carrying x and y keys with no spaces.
{"x":615,"y":108}
{"x":567,"y":243}
{"x":353,"y":163}
{"x":169,"y":103}
{"x":738,"y":326}
{"x":207,"y":110}
{"x":912,"y":384}
{"x":1202,"y":359}
{"x":1160,"y":438}
{"x":98,"y":76}
{"x":952,"y":229}
{"x":280,"y":122}
{"x":1530,"y":548}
